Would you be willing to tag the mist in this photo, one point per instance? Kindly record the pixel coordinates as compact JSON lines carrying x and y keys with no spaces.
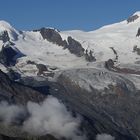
{"x":104,"y":137}
{"x":52,"y":117}
{"x":10,"y":113}
{"x":49,"y":117}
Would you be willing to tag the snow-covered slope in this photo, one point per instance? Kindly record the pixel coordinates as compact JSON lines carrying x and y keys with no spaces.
{"x":114,"y":42}
{"x":121,"y":36}
{"x":42,"y":51}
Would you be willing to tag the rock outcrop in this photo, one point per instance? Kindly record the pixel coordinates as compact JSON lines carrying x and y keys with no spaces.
{"x":132,"y":18}
{"x":9,"y":54}
{"x":4,"y":36}
{"x":52,"y":36}
{"x":89,"y":56}
{"x":75,"y":47}
{"x":138,"y":33}
{"x":136,"y":49}
{"x":17,"y":93}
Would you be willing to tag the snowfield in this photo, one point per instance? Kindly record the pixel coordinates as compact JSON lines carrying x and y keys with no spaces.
{"x":121,"y":36}
{"x":114,"y":42}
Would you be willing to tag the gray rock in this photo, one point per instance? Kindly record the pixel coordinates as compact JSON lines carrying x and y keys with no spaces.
{"x":4,"y":36}
{"x":132,"y":18}
{"x":75,"y":47}
{"x":53,"y":36}
{"x":8,"y":54}
{"x":109,"y":64}
{"x":136,"y":49}
{"x":13,"y":75}
{"x":17,"y":93}
{"x":89,"y":56}
{"x":138,"y":33}
{"x":41,"y":68}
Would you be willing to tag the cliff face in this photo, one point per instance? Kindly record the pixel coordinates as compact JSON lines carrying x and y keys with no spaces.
{"x":16,"y":93}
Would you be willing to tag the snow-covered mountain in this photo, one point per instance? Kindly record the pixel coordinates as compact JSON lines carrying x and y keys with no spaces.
{"x":48,"y":51}
{"x":96,"y":73}
{"x":116,"y":42}
{"x":120,"y":36}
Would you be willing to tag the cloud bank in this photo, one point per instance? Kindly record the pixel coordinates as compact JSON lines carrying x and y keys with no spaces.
{"x":104,"y":137}
{"x":48,"y":117}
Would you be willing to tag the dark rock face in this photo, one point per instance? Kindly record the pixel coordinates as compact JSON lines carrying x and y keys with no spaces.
{"x":115,"y":53}
{"x":109,"y":64}
{"x":41,"y":86}
{"x":31,"y":62}
{"x":52,"y":36}
{"x":41,"y":68}
{"x":132,"y":18}
{"x":75,"y":47}
{"x":138,"y":33}
{"x":136,"y":49}
{"x":13,"y":75}
{"x":8,"y":55}
{"x":89,"y":56}
{"x":17,"y":93}
{"x":4,"y":37}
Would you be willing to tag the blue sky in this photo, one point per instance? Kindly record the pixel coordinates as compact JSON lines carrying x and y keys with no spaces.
{"x":66,"y":14}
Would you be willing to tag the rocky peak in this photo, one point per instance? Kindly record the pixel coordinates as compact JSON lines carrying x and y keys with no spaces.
{"x":132,"y":18}
{"x":75,"y":47}
{"x":52,"y":35}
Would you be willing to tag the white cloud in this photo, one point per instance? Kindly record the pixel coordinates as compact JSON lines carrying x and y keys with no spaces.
{"x":104,"y":137}
{"x":48,"y":117}
{"x":8,"y":113}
